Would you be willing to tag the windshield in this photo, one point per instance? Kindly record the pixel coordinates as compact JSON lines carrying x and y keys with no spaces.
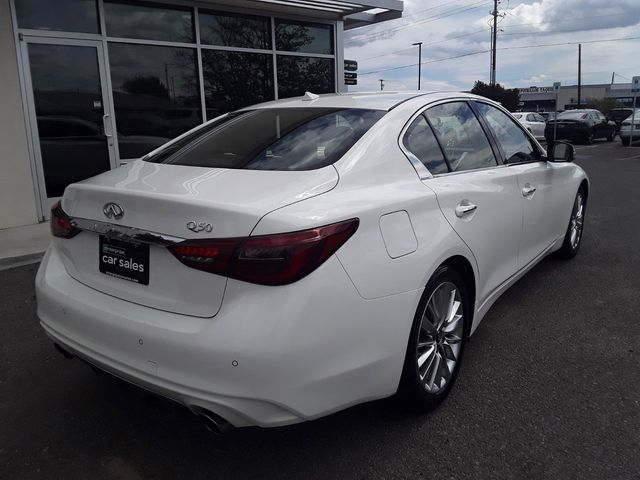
{"x":518,"y":116}
{"x":272,"y":139}
{"x":572,"y":115}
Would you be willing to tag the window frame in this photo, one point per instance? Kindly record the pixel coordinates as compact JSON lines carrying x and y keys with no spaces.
{"x":494,"y":138}
{"x":422,"y":171}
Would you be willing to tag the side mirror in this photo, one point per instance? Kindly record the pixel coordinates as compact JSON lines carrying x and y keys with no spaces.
{"x":561,"y":152}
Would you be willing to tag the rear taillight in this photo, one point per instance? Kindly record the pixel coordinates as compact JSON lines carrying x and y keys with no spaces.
{"x":267,"y":259}
{"x":60,"y":223}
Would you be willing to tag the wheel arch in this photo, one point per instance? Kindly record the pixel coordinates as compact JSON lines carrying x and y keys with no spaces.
{"x":464,"y":268}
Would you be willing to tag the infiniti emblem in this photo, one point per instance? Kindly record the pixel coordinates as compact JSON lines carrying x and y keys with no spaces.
{"x":113,"y":210}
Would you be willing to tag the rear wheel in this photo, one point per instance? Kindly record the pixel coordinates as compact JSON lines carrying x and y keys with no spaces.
{"x":573,"y":237}
{"x":436,"y":342}
{"x":612,"y":135}
{"x":626,"y":141}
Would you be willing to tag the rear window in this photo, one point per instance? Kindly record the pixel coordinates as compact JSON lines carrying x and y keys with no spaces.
{"x":573,"y":115}
{"x":272,"y":139}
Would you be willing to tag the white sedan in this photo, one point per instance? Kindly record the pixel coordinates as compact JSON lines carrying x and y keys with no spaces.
{"x":534,"y":122}
{"x":291,"y":259}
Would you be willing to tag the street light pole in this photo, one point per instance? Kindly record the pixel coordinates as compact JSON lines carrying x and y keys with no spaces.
{"x":419,"y":61}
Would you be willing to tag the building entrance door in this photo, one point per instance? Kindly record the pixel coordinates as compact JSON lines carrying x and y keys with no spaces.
{"x":70,"y":115}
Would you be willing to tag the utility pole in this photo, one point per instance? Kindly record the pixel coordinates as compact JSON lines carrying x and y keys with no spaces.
{"x":579,"y":74}
{"x":381,"y":84}
{"x":494,"y":37}
{"x":419,"y":61}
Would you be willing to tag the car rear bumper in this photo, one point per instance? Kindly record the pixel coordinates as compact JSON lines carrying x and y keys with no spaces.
{"x":272,"y":356}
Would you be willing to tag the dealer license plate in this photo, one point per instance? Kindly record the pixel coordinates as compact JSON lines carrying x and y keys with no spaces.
{"x":125,"y":260}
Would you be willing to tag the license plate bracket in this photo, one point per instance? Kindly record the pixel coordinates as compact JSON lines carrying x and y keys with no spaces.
{"x":124,"y":260}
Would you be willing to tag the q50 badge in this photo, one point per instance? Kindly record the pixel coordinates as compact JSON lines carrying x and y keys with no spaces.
{"x":199,"y":226}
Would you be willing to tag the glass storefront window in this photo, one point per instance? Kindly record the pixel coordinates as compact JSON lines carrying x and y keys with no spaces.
{"x":304,"y":37}
{"x":149,"y":21}
{"x":236,"y":79}
{"x":235,"y":30}
{"x":68,"y":15}
{"x":156,"y":95}
{"x":299,"y":74}
{"x":68,"y":105}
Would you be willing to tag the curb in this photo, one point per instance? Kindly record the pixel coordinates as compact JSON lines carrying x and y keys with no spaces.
{"x":20,"y":260}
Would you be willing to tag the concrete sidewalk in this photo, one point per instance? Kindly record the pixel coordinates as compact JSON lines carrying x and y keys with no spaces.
{"x":23,"y":245}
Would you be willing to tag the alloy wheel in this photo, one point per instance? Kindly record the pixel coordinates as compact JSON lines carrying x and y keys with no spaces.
{"x":577,"y":220}
{"x":439,"y":338}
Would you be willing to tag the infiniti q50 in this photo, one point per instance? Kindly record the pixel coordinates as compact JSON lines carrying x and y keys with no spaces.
{"x":293,"y":258}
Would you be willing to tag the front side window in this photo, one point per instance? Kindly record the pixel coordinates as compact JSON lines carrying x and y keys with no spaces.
{"x":272,"y":139}
{"x":421,"y":141}
{"x":464,"y":142}
{"x":516,"y":145}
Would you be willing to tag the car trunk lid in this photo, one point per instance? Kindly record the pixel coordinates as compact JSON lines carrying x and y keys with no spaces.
{"x":163,"y":204}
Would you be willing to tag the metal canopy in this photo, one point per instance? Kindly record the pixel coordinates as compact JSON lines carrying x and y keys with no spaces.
{"x":353,"y":13}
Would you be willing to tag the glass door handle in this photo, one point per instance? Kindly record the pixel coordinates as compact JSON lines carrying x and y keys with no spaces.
{"x":105,"y":122}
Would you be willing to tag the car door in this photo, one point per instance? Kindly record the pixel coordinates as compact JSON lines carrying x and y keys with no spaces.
{"x":540,"y":123}
{"x":542,"y":191}
{"x":479,"y":199}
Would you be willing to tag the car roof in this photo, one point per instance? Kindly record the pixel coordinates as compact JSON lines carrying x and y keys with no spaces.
{"x":369,"y":100}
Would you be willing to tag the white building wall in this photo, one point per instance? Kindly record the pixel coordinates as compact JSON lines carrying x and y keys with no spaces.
{"x":17,"y":197}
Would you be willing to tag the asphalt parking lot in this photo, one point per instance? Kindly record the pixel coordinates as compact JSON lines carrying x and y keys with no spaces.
{"x":549,"y":388}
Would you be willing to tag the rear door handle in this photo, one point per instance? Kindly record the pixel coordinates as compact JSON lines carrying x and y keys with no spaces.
{"x":463,"y":209}
{"x":528,"y":190}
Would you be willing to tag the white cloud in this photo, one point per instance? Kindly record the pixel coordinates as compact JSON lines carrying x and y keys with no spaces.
{"x":460,"y":27}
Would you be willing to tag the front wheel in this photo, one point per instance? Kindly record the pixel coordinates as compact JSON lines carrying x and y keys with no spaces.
{"x":573,"y":237}
{"x":588,"y":138}
{"x":436,"y":342}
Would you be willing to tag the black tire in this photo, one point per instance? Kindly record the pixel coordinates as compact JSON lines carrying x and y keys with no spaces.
{"x":588,"y":138}
{"x":412,"y":391}
{"x":626,"y":141}
{"x":611,"y":136}
{"x":569,"y":247}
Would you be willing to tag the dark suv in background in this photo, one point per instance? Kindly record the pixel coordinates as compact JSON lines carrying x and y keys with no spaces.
{"x":583,"y":125}
{"x":619,"y":115}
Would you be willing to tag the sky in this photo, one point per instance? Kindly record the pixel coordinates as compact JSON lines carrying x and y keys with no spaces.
{"x":609,"y":31}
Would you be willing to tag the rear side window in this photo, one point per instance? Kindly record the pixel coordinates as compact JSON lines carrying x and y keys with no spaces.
{"x":421,"y":141}
{"x":464,"y":142}
{"x":273,"y":139}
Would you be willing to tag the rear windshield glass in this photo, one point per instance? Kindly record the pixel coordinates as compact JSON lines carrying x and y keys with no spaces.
{"x":572,"y":115}
{"x":272,"y":139}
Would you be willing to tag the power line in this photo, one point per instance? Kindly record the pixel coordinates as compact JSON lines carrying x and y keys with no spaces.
{"x":426,"y":45}
{"x":502,"y":48}
{"x":439,"y":16}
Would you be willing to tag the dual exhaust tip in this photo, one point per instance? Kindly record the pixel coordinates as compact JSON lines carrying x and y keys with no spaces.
{"x":212,"y":422}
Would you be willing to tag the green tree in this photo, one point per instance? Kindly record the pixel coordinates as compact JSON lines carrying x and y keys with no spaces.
{"x":146,"y":85}
{"x":508,"y":97}
{"x":605,"y":104}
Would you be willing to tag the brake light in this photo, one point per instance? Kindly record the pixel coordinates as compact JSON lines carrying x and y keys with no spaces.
{"x":60,"y":223}
{"x":267,"y":259}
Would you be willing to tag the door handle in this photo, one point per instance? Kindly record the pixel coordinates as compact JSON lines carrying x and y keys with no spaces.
{"x":463,"y":209}
{"x":528,"y":190}
{"x":104,"y":126}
